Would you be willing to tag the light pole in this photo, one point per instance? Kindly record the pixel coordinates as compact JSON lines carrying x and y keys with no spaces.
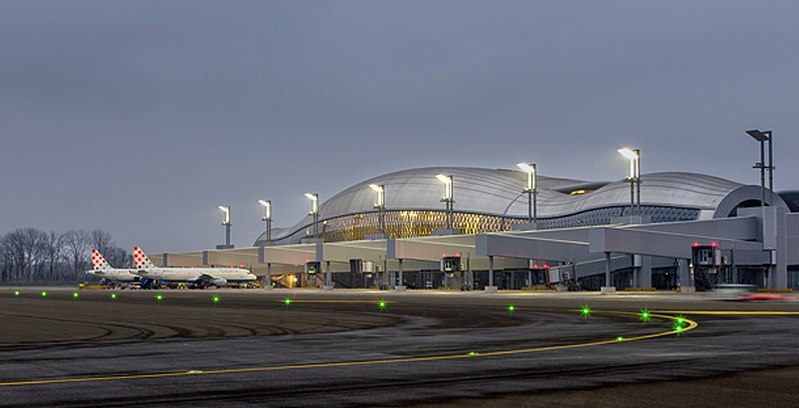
{"x":226,"y":223}
{"x":532,"y":190}
{"x":634,"y":177}
{"x":314,"y":197}
{"x":267,"y":218}
{"x":763,"y":137}
{"x":380,"y":204}
{"x":447,"y":199}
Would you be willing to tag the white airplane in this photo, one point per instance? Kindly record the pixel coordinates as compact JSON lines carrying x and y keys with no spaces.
{"x":102,"y":269}
{"x":219,"y":277}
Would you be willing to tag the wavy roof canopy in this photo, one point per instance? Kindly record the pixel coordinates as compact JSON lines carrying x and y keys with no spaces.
{"x":499,"y":192}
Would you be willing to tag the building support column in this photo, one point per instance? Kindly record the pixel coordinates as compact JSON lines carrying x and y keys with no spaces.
{"x":328,"y":277}
{"x":645,"y":272}
{"x":686,"y":278}
{"x":529,"y":276}
{"x":469,"y":277}
{"x":400,"y":286}
{"x":607,"y":288}
{"x":490,"y":287}
{"x":268,"y":283}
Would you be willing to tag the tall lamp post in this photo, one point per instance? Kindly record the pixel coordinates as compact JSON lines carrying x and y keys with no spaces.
{"x":267,"y":218}
{"x":447,"y":199}
{"x":531,"y":190}
{"x":763,"y":137}
{"x":314,"y":197}
{"x":226,"y":223}
{"x":634,"y":177}
{"x":380,"y":204}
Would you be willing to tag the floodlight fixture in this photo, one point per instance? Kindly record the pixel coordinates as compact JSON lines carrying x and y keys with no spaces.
{"x":314,"y":197}
{"x":447,"y":199}
{"x":380,"y":201}
{"x":758,"y":135}
{"x":447,"y":180}
{"x":763,"y":136}
{"x":226,"y":210}
{"x":380,"y":204}
{"x":267,"y":218}
{"x":531,"y":190}
{"x":267,"y":209}
{"x":634,"y":176}
{"x":628,"y":153}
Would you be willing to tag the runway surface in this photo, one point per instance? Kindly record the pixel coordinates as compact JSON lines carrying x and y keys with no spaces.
{"x":360,"y":348}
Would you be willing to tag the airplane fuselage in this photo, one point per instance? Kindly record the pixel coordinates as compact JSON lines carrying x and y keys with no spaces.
{"x":197,"y":275}
{"x":116,"y":275}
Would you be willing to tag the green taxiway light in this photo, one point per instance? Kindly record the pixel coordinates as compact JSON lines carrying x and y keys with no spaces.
{"x":16,"y":293}
{"x":287,"y":301}
{"x":75,"y":295}
{"x":215,"y":299}
{"x":585,"y":311}
{"x":680,"y":320}
{"x":472,"y":353}
{"x":160,"y":297}
{"x":44,"y":294}
{"x":511,"y":308}
{"x":382,"y":305}
{"x":113,"y":296}
{"x":619,"y":338}
{"x":645,"y":316}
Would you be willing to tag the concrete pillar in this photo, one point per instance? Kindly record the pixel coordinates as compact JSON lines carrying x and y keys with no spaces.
{"x":686,"y":280}
{"x":328,"y":285}
{"x":491,"y":287}
{"x":469,"y":277}
{"x":607,"y":288}
{"x":268,"y":283}
{"x":780,"y":254}
{"x":384,"y":282}
{"x":401,"y":284}
{"x":645,"y":272}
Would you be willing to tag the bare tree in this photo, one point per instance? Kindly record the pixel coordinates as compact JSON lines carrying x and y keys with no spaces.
{"x":5,"y":258}
{"x":101,"y":241}
{"x":76,"y":244}
{"x":118,"y":257}
{"x":25,"y":245}
{"x":28,"y":255}
{"x":53,"y":251}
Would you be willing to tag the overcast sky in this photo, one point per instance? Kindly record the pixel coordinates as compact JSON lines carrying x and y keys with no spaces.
{"x":140,"y":117}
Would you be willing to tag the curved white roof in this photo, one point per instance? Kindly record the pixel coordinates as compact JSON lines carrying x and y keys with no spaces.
{"x":499,"y":192}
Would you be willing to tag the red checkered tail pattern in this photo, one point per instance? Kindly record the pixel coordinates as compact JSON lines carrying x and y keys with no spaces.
{"x":98,"y":262}
{"x":140,"y":260}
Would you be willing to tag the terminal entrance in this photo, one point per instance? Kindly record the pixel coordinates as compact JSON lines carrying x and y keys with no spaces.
{"x":666,"y":278}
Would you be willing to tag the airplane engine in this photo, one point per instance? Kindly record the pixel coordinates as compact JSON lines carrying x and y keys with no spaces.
{"x":219,"y":282}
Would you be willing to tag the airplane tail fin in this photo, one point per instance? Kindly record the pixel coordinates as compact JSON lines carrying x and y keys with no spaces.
{"x":140,"y":260}
{"x":98,"y":262}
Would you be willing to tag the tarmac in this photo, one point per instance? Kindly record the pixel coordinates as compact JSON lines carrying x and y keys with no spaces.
{"x":346,"y":348}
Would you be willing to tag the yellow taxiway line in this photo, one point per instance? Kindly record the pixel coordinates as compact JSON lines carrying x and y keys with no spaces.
{"x":732,"y":312}
{"x":331,"y":301}
{"x":690,"y":326}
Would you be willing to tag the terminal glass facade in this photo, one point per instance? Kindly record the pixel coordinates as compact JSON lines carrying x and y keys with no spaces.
{"x":420,"y":223}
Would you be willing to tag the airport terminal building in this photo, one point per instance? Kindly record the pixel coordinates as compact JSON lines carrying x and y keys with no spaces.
{"x":492,"y":230}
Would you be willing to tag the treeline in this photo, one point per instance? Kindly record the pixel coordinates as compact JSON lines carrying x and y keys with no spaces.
{"x":29,"y":256}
